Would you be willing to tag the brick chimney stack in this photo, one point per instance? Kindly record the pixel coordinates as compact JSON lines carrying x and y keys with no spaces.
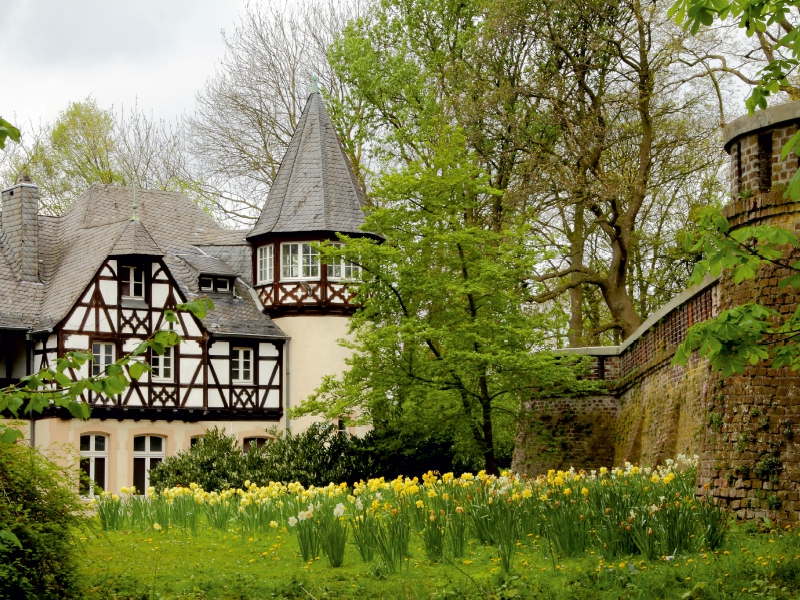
{"x":20,"y":223}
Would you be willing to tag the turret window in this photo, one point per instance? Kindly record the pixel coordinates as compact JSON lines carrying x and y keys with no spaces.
{"x":132,"y":282}
{"x":266,"y":264}
{"x":299,"y":261}
{"x":343,"y":269}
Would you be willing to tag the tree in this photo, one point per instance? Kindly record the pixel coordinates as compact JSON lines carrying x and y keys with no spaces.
{"x":443,"y":340}
{"x":750,"y":333}
{"x":88,"y":144}
{"x":7,"y":130}
{"x":634,"y":156}
{"x":247,"y":112}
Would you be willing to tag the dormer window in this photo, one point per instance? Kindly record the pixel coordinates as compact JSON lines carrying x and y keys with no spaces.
{"x":132,"y":282}
{"x":215,"y":284}
{"x":299,"y":261}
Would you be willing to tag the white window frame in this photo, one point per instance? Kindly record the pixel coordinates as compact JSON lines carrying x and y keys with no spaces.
{"x":163,"y":365}
{"x":206,"y":288}
{"x":148,"y":455}
{"x":222,"y":280}
{"x":92,"y":455}
{"x":343,"y":266}
{"x":303,"y":260}
{"x":266,"y":264}
{"x":237,"y":364}
{"x":102,"y":358}
{"x":132,"y":282}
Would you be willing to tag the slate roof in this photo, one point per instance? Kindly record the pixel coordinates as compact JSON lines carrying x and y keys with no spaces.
{"x":135,"y":239}
{"x":97,"y":225}
{"x":208,"y":265}
{"x":315,"y":188}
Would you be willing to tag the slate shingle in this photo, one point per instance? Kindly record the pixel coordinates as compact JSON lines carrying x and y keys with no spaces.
{"x":98,"y":224}
{"x":315,"y":188}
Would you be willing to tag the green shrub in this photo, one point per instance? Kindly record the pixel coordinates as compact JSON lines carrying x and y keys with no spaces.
{"x":39,"y":506}
{"x":215,"y":462}
{"x":317,"y":456}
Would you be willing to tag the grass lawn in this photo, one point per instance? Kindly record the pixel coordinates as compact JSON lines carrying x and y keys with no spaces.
{"x":117,"y":565}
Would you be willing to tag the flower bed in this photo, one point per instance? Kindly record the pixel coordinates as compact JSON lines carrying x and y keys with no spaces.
{"x":620,"y":512}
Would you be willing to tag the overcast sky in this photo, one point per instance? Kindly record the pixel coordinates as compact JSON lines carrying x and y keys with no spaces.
{"x":159,"y":51}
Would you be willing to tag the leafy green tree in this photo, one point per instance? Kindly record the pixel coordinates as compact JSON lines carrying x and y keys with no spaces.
{"x":444,"y":340}
{"x":750,"y":333}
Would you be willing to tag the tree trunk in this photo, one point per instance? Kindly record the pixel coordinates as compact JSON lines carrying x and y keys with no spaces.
{"x":489,"y":462}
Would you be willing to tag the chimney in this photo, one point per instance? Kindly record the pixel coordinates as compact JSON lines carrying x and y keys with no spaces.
{"x":20,"y":223}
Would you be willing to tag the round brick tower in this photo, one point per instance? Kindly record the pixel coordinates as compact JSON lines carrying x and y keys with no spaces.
{"x":749,"y":455}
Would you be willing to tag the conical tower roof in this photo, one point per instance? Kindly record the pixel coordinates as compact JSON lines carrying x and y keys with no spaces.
{"x":315,"y":188}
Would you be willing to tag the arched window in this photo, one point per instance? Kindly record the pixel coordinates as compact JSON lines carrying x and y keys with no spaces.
{"x":253,"y":442}
{"x":148,"y":451}
{"x":94,"y":463}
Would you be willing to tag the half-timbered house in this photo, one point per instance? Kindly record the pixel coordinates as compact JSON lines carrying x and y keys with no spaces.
{"x":99,"y":278}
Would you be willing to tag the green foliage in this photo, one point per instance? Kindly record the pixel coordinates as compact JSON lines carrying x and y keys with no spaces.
{"x":59,"y":387}
{"x":38,"y":513}
{"x":755,"y":16}
{"x":215,"y":462}
{"x":746,"y":334}
{"x":769,"y":465}
{"x":443,"y":340}
{"x":7,"y":130}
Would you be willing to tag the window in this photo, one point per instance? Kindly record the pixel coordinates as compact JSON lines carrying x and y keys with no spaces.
{"x":299,"y":261}
{"x":162,"y":365}
{"x":94,"y":455}
{"x":765,"y":162}
{"x":195,"y":439}
{"x":103,"y":355}
{"x":253,"y":442}
{"x":241,"y":365}
{"x":266,"y":264}
{"x":218,"y":284}
{"x":148,"y":451}
{"x":343,"y":269}
{"x":132,"y":282}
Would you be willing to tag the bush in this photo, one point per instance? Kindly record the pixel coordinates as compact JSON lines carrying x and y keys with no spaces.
{"x":215,"y":462}
{"x":316,"y":456}
{"x":40,"y":507}
{"x":387,"y":452}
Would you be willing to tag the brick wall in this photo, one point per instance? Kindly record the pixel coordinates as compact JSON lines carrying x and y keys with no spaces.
{"x":745,"y":428}
{"x":559,"y":433}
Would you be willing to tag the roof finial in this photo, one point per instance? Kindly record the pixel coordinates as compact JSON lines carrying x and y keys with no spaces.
{"x":134,"y":217}
{"x":314,"y":84}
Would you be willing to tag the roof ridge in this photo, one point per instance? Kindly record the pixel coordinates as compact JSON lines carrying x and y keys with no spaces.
{"x":323,"y":162}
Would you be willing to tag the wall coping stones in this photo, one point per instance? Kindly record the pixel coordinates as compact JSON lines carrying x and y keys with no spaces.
{"x":761,"y":119}
{"x":689,"y":293}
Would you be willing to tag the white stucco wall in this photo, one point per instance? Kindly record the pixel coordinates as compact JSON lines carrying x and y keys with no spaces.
{"x":314,"y":352}
{"x":61,"y":439}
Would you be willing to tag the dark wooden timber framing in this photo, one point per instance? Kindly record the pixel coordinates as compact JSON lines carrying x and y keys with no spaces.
{"x":161,"y":400}
{"x":311,"y":296}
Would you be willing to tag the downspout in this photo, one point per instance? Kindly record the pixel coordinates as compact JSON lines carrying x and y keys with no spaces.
{"x":29,"y":361}
{"x":286,"y":387}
